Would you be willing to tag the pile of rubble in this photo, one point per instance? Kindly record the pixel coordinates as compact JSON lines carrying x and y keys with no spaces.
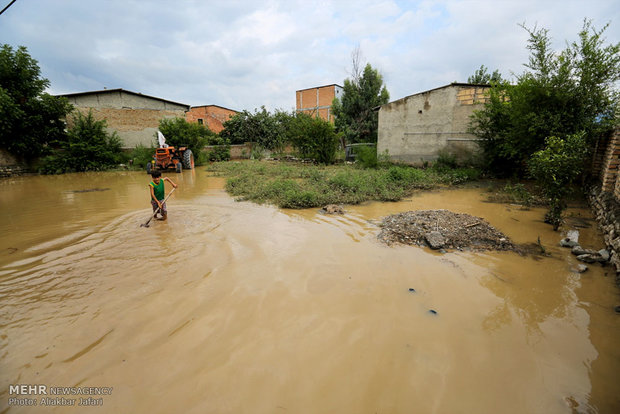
{"x":442,"y":229}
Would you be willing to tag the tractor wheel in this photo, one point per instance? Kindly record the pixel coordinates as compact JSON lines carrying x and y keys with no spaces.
{"x":178,"y":167}
{"x":149,"y":168}
{"x":188,"y":160}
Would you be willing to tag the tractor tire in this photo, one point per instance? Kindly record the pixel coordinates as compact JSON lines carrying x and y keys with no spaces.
{"x":149,"y":167}
{"x":188,"y":160}
{"x":178,"y":167}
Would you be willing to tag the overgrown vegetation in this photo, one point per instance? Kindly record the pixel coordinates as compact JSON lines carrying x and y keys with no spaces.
{"x":179,"y":132}
{"x":291,"y":185}
{"x":260,"y":127}
{"x":560,"y":94}
{"x":556,"y":167}
{"x":313,"y":138}
{"x":141,"y":155}
{"x":87,"y":147}
{"x":30,"y":120}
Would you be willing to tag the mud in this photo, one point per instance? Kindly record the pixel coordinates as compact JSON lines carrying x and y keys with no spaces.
{"x":230,"y":307}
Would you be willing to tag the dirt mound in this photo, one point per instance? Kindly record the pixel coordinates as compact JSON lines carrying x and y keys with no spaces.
{"x":443,"y":229}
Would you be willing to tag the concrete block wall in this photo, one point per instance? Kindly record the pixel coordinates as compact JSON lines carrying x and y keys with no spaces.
{"x":416,"y":129}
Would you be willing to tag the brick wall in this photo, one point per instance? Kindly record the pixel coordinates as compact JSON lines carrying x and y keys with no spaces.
{"x":609,"y":165}
{"x":133,"y":126}
{"x":212,"y":116}
{"x":317,"y":101}
{"x":471,"y":96}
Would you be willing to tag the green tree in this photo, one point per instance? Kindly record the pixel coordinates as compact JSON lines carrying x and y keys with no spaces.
{"x":483,"y":77}
{"x":30,"y":120}
{"x":556,"y":168}
{"x":355,"y":112}
{"x":261,"y":127}
{"x":180,"y":133}
{"x":312,"y":137}
{"x":559,"y":94}
{"x":87,"y":147}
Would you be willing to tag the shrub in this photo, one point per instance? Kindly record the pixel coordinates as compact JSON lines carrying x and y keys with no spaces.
{"x":366,"y":156}
{"x":141,"y":155}
{"x":260,"y":127}
{"x":179,"y":133}
{"x":556,"y":167}
{"x":88,"y":147}
{"x":313,"y":138}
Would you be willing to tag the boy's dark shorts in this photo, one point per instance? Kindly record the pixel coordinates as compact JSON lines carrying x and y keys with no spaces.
{"x":155,"y":206}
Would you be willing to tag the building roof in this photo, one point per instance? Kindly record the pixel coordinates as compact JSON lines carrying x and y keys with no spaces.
{"x":206,"y":106}
{"x":317,"y":87}
{"x":121,"y":90}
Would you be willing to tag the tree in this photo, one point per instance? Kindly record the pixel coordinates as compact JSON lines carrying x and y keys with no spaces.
{"x":312,"y":137}
{"x":261,"y":127}
{"x":355,"y":113}
{"x":87,"y":147}
{"x":559,"y":94}
{"x":179,"y":132}
{"x":555,"y":168}
{"x":482,"y":77}
{"x":30,"y":120}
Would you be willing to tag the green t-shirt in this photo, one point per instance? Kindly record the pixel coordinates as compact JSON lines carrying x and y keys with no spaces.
{"x":158,"y":189}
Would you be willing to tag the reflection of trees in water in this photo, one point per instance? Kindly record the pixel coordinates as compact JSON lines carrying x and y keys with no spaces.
{"x":532,"y":291}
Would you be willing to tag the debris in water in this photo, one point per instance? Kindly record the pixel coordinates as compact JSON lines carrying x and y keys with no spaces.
{"x":412,"y":290}
{"x":432,"y":311}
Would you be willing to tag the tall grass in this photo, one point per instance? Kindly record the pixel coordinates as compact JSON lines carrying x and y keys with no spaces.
{"x":303,"y":186}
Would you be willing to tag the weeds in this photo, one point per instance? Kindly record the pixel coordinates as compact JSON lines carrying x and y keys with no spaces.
{"x":304,"y":186}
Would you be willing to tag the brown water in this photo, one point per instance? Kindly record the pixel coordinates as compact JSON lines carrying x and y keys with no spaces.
{"x":230,"y":307}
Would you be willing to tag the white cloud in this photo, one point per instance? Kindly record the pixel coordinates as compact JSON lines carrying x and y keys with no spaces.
{"x":244,"y":54}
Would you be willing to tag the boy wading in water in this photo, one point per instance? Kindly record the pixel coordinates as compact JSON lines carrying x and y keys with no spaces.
{"x":158,"y":193}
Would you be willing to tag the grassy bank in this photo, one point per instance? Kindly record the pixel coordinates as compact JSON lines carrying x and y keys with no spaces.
{"x":292,"y":185}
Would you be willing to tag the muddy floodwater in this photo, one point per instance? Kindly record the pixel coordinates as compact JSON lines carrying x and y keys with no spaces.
{"x":232,"y":307}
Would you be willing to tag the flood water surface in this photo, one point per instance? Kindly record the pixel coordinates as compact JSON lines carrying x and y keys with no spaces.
{"x":232,"y":307}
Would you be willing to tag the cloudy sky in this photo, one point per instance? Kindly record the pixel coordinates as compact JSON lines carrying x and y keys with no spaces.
{"x":242,"y":54}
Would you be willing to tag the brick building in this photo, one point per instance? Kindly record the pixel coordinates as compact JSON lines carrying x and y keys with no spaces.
{"x":318,"y":101}
{"x":212,"y":116}
{"x":133,"y":116}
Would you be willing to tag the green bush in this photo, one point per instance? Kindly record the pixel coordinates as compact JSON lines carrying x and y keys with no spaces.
{"x":313,"y":138}
{"x":141,"y":155}
{"x":260,"y":127}
{"x":179,"y":133}
{"x":445,"y":160}
{"x":88,"y":147}
{"x":366,"y":156}
{"x":556,"y":168}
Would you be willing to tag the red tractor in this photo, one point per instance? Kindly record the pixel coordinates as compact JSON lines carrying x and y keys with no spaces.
{"x":169,"y":157}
